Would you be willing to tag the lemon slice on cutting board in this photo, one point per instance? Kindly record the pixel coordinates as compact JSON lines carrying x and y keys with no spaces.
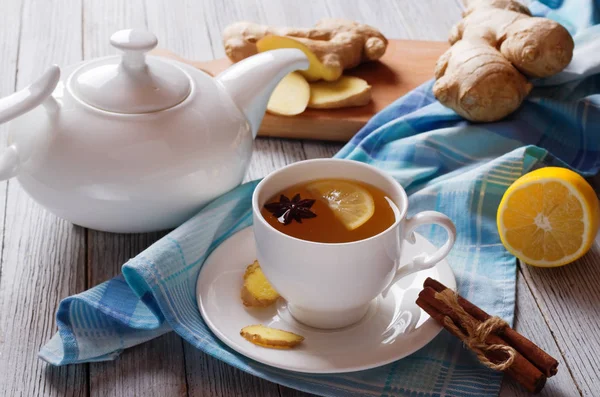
{"x":549,"y":217}
{"x":351,"y":203}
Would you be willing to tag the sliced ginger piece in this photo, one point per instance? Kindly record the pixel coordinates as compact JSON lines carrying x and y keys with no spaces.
{"x":257,"y":291}
{"x":316,"y":70}
{"x":273,"y":338}
{"x":346,"y":92}
{"x":290,"y":96}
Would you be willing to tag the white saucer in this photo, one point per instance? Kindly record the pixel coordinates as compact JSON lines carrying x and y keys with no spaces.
{"x":393,"y":327}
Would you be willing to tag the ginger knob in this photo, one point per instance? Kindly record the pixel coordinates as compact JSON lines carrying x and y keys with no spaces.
{"x":495,"y":47}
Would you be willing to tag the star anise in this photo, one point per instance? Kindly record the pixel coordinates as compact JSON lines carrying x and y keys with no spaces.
{"x":287,"y":210}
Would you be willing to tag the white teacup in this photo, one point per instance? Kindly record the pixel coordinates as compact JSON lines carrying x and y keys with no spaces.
{"x":330,"y":285}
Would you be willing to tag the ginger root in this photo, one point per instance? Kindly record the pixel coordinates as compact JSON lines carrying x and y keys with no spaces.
{"x":497,"y":41}
{"x":270,"y":337}
{"x":345,"y":92}
{"x":290,"y":97}
{"x":338,"y":44}
{"x":477,"y":82}
{"x":257,"y":291}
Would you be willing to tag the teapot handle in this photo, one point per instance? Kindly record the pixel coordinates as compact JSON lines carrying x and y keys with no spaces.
{"x":19,"y":103}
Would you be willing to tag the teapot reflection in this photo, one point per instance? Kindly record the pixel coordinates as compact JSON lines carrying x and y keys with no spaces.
{"x":406,"y":315}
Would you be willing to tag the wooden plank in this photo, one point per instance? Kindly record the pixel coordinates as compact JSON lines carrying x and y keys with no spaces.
{"x":292,"y":13}
{"x":426,"y":20}
{"x":568,"y":299}
{"x":414,"y":20}
{"x":386,"y":15}
{"x":531,"y":323}
{"x":103,"y":18}
{"x":209,"y":377}
{"x":181,"y":27}
{"x":10,"y":27}
{"x":287,"y":392}
{"x":155,"y":368}
{"x":219,"y":14}
{"x":43,"y":258}
{"x":272,"y":154}
{"x":315,"y":150}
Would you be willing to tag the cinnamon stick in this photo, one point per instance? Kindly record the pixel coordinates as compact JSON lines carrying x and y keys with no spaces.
{"x":542,"y":360}
{"x":524,"y":372}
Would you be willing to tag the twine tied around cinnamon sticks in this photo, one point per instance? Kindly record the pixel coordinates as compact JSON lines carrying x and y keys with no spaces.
{"x":476,"y":332}
{"x":491,"y":338}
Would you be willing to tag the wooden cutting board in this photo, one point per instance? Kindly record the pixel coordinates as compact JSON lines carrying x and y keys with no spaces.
{"x":405,"y":65}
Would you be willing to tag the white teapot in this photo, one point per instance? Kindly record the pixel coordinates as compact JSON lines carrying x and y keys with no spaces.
{"x":137,"y":143}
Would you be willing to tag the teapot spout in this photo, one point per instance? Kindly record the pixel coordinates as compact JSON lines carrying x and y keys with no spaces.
{"x":251,"y":81}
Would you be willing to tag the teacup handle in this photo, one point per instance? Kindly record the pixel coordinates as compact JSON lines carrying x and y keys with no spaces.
{"x":424,"y":261}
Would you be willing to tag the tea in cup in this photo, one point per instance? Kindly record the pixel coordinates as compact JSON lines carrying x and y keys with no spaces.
{"x":348,"y":210}
{"x":329,"y":234}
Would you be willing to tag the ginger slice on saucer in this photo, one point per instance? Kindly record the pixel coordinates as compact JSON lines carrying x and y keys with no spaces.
{"x":273,"y":338}
{"x":257,"y":291}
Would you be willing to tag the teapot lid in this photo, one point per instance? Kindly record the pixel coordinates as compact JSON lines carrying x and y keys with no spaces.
{"x":131,"y":84}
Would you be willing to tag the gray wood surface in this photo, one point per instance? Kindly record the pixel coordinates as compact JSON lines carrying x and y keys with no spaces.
{"x":44,"y":259}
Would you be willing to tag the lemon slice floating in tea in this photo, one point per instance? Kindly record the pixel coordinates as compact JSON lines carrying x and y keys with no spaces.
{"x":548,"y":217}
{"x":351,"y":203}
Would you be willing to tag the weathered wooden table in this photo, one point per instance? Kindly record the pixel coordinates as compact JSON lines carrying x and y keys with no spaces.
{"x":44,"y":259}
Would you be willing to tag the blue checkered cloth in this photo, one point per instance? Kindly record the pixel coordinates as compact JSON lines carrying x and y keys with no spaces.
{"x":444,"y":163}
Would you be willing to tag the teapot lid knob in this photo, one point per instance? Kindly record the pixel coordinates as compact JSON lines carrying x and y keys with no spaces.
{"x":133,"y":40}
{"x":131,"y":84}
{"x":134,"y":43}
